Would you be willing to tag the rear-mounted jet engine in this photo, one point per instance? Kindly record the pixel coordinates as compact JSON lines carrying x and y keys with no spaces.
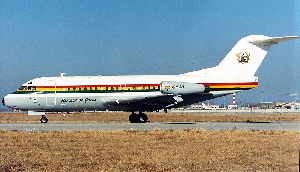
{"x":182,"y":88}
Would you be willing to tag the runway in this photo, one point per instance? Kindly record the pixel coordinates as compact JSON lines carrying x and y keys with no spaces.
{"x":294,"y":125}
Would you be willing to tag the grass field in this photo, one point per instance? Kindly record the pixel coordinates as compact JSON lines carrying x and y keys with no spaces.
{"x":155,"y":150}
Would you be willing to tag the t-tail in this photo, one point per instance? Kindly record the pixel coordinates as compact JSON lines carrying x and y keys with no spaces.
{"x":244,"y":58}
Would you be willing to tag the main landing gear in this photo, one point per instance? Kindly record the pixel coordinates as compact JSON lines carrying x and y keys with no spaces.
{"x":138,"y":118}
{"x":44,"y":119}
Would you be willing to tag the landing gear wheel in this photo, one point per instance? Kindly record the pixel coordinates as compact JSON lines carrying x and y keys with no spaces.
{"x":44,"y":119}
{"x":138,"y":118}
{"x":143,"y":118}
{"x":133,"y":118}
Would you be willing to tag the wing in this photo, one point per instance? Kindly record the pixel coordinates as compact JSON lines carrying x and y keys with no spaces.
{"x":165,"y":101}
{"x":172,"y":94}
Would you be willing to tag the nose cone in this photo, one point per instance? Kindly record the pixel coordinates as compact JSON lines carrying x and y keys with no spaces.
{"x":8,"y":101}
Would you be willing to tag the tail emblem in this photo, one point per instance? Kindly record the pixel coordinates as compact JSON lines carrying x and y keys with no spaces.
{"x":243,"y":57}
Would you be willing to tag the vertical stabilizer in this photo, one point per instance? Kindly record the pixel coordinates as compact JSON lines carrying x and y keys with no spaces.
{"x":245,"y":57}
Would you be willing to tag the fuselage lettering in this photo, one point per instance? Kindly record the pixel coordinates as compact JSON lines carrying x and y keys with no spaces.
{"x":78,"y":100}
{"x":177,"y":86}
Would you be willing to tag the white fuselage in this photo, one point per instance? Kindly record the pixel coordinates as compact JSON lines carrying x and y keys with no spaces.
{"x":80,"y":93}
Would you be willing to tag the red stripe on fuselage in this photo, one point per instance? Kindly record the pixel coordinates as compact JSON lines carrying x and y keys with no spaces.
{"x":219,"y":84}
{"x":119,"y":85}
{"x":146,"y":85}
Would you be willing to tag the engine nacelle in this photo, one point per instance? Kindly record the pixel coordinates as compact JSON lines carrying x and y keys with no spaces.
{"x":181,"y":88}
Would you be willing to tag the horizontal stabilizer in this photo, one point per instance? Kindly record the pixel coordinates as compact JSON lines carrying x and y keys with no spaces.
{"x":268,"y":41}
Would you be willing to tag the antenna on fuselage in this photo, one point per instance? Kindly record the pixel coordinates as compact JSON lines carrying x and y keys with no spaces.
{"x":62,"y":74}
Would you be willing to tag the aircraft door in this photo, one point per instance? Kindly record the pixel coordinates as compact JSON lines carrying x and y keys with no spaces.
{"x":50,"y":92}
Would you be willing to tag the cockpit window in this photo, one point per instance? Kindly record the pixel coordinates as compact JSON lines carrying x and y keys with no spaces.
{"x":28,"y":88}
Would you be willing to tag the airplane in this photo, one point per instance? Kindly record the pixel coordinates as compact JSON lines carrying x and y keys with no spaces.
{"x":145,"y":93}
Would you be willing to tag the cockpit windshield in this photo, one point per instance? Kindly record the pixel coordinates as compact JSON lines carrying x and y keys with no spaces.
{"x":28,"y":88}
{"x":23,"y":88}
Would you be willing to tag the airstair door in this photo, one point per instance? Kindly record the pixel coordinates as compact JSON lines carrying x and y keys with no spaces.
{"x":50,"y":92}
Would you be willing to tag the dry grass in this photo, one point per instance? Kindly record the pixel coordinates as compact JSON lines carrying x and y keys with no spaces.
{"x":153,"y":117}
{"x":156,"y":150}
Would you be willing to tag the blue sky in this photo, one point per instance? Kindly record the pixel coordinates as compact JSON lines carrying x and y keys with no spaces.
{"x":109,"y":37}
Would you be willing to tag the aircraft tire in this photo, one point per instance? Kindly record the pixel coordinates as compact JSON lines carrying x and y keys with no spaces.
{"x":138,"y":118}
{"x":133,"y":118}
{"x":44,"y":119}
{"x":143,"y":118}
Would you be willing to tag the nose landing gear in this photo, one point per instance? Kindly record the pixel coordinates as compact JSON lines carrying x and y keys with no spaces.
{"x":44,"y":119}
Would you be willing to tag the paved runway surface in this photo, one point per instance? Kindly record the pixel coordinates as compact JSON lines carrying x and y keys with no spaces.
{"x":150,"y":126}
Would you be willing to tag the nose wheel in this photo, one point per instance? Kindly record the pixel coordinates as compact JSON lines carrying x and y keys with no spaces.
{"x":44,"y":119}
{"x":138,"y":118}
